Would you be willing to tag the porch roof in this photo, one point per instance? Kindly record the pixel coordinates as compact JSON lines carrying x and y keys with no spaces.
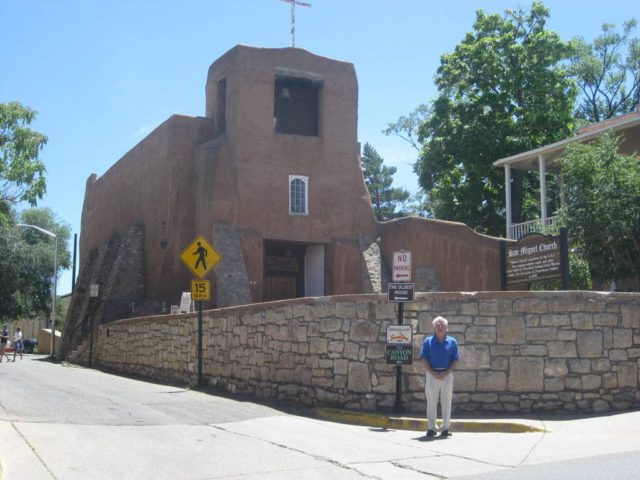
{"x":529,"y":160}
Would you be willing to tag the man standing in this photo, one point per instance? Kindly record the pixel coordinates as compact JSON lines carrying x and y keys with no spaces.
{"x":439,"y":355}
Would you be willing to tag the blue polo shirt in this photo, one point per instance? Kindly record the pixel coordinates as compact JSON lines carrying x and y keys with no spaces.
{"x":440,"y":355}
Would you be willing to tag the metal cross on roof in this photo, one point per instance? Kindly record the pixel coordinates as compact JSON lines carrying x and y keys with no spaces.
{"x":293,"y":4}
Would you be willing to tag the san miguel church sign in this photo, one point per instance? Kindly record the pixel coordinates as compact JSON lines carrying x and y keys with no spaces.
{"x":536,"y":257}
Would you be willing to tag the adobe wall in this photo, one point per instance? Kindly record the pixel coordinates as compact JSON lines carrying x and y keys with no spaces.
{"x":152,"y":185}
{"x":447,"y":256}
{"x":520,"y":351}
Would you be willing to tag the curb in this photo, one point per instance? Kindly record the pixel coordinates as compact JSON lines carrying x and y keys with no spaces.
{"x":419,"y":424}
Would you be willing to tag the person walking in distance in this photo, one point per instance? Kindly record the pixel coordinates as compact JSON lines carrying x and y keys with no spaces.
{"x":18,"y":346}
{"x":439,"y":355}
{"x":4,"y":338}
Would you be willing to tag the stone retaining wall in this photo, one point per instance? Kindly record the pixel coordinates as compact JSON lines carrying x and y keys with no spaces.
{"x":520,"y":351}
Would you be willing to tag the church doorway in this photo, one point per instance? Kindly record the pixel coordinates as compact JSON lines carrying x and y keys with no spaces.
{"x":292,"y":270}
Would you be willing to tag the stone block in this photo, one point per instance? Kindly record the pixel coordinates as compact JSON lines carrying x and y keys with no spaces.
{"x":630,"y":315}
{"x":591,"y":382}
{"x":562,"y":303}
{"x":600,"y":406}
{"x":607,"y":338}
{"x":622,"y":337}
{"x":567,"y":335}
{"x":579,"y":366}
{"x":481,"y":334}
{"x":336,"y":346}
{"x":424,"y":322}
{"x":618,"y":355}
{"x":582,"y":321}
{"x":573,"y":383}
{"x":502,"y":350}
{"x":359,"y":378}
{"x":484,"y":321}
{"x":526,"y":374}
{"x":610,"y":380}
{"x":605,"y":320}
{"x":484,"y":397}
{"x":555,"y":368}
{"x":592,"y":304}
{"x":456,"y":328}
{"x":532,"y":320}
{"x":530,"y":305}
{"x":364,"y":331}
{"x":554,"y":320}
{"x":318,"y":345}
{"x":326,"y":363}
{"x":500,"y":363}
{"x":474,"y":357}
{"x":495,"y":307}
{"x":386,"y":384}
{"x":562,"y":349}
{"x":589,"y":344}
{"x":566,"y":396}
{"x":330,"y":325}
{"x":469,"y":308}
{"x":600,"y":365}
{"x":352,"y":351}
{"x":541,"y":334}
{"x":375,"y":351}
{"x":628,"y":374}
{"x":340,"y":366}
{"x":385,"y":311}
{"x":492,"y":381}
{"x":633,"y":353}
{"x":464,"y":381}
{"x":533,"y":350}
{"x":511,"y":330}
{"x":345,"y":310}
{"x":554,"y":384}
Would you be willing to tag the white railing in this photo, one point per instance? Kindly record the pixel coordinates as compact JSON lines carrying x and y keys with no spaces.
{"x":519,"y":230}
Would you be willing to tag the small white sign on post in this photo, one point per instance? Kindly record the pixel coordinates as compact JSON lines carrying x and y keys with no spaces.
{"x":186,"y":305}
{"x":401,"y":271}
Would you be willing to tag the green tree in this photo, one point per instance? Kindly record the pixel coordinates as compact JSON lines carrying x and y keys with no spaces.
{"x":501,"y":92}
{"x":27,"y":262}
{"x":607,"y":72}
{"x":21,"y":171}
{"x":378,"y":178}
{"x":602,"y":213}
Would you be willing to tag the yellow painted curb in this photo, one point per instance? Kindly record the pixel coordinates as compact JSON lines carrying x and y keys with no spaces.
{"x":418,"y":424}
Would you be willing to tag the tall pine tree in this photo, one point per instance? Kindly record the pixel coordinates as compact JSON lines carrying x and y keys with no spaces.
{"x":385,"y":199}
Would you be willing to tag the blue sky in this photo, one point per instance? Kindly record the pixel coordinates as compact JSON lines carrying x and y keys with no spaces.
{"x":103,"y":73}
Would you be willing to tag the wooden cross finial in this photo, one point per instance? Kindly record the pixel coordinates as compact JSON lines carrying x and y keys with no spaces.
{"x":293,"y":4}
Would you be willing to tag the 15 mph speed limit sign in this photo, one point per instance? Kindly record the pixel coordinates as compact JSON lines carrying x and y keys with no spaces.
{"x":401,"y":271}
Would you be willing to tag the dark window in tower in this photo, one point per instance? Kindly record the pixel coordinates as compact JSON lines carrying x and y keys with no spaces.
{"x":221,"y":106}
{"x":296,"y":106}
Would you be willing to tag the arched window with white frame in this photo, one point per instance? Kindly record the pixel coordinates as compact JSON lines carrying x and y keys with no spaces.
{"x":298,"y":195}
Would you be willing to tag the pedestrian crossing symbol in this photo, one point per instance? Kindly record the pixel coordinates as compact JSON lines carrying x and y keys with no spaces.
{"x":200,"y":256}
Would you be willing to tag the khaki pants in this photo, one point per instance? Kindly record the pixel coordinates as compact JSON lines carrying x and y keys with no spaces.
{"x":434,"y":389}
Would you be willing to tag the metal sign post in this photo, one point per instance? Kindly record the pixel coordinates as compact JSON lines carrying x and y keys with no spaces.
{"x":200,"y":257}
{"x":400,"y":293}
{"x":93,"y":295}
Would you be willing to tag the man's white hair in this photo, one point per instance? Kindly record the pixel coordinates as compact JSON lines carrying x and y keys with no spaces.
{"x":439,"y":319}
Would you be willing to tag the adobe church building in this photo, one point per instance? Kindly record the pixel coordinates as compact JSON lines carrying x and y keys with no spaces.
{"x":271,"y":176}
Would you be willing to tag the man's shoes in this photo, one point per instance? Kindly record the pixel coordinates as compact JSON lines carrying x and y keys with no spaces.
{"x":431,"y":433}
{"x":445,"y":433}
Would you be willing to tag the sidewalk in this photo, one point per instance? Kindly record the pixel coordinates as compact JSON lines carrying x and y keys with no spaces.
{"x":391,"y":422}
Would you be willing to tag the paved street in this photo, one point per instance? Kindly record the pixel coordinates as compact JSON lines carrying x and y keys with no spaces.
{"x":65,"y":422}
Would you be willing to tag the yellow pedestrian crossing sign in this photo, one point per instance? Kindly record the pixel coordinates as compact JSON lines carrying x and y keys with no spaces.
{"x":200,"y":256}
